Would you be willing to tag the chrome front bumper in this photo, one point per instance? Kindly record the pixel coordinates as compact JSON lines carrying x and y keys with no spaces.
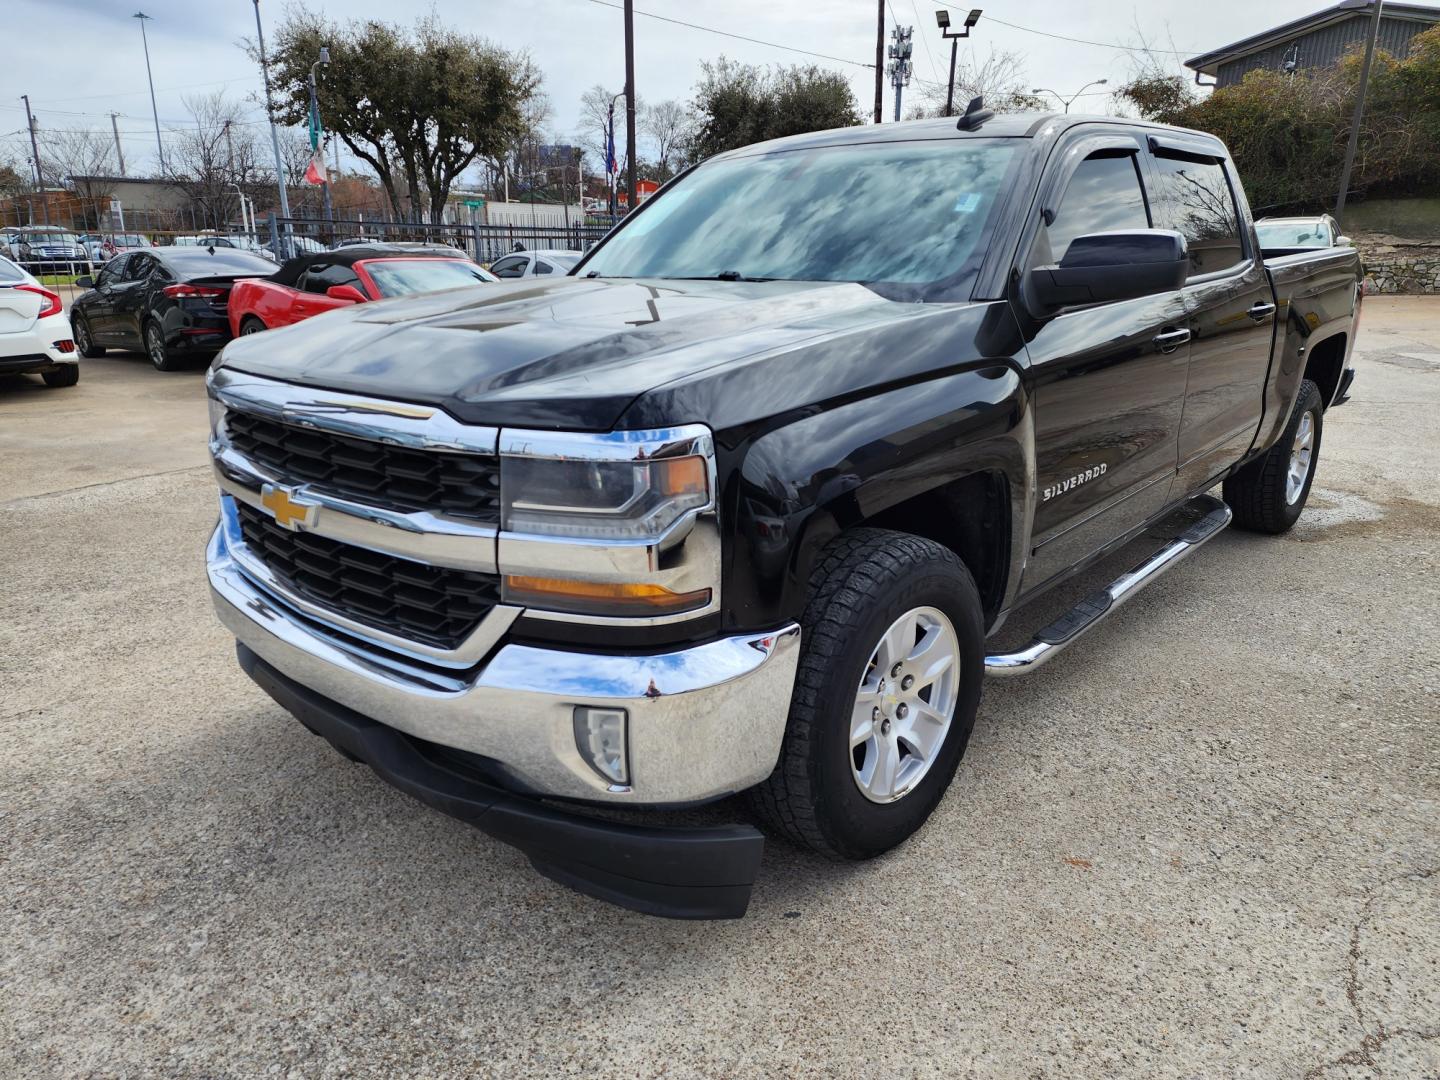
{"x":704,"y":721}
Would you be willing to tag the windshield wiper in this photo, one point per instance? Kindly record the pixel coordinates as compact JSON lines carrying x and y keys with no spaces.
{"x":724,"y":275}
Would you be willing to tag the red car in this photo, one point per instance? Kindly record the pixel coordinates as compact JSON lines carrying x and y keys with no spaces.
{"x":311,"y":284}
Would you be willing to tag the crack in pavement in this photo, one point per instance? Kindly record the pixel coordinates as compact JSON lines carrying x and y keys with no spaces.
{"x":1370,"y":1042}
{"x":102,"y":484}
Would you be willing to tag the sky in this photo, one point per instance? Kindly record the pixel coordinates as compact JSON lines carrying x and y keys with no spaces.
{"x":195,"y":48}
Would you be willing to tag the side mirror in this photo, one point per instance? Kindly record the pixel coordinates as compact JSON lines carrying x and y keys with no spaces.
{"x":346,"y":292}
{"x":84,"y":281}
{"x":1108,"y":266}
{"x":1344,"y":241}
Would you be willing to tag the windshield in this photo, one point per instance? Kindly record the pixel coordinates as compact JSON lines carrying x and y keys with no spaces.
{"x":1293,"y":234}
{"x":906,"y":215}
{"x":397,"y":277}
{"x":51,"y":238}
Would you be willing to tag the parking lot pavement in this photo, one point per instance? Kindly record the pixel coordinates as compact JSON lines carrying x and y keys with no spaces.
{"x":1203,"y":843}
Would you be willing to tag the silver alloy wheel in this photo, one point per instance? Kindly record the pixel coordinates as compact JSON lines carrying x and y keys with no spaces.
{"x":904,"y":705}
{"x":156,"y":344}
{"x":1302,"y":454}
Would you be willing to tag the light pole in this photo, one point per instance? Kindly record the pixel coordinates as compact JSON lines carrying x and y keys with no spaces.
{"x":1067,"y":102}
{"x":315,"y":127}
{"x":943,"y":18}
{"x":154,"y":112}
{"x":270,"y":115}
{"x":612,"y":171}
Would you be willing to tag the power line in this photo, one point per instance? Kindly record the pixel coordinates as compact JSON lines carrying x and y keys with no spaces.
{"x":737,"y":37}
{"x":1075,"y":40}
{"x":929,"y":56}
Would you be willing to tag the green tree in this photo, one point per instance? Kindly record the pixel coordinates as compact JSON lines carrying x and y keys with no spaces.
{"x":417,"y":105}
{"x":738,"y":104}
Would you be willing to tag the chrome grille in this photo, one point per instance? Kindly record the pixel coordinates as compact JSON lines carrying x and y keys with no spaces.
{"x":465,"y":485}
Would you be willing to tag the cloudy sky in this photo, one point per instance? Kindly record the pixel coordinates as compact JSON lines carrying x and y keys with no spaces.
{"x":91,"y":63}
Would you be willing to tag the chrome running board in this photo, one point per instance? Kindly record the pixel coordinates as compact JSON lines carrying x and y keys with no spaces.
{"x":1090,"y":612}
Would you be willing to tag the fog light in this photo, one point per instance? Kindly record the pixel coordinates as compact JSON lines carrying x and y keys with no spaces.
{"x":600,"y":738}
{"x":64,"y":345}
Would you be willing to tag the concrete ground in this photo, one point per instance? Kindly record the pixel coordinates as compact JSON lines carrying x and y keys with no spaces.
{"x":1203,"y":843}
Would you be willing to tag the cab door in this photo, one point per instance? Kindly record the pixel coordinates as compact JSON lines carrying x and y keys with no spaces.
{"x":99,"y":309}
{"x":1229,"y":308}
{"x":310,"y":295}
{"x":130,"y":297}
{"x":1108,"y":379}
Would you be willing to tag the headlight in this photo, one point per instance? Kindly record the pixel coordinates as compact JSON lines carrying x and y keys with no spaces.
{"x":614,"y":526}
{"x":626,"y":486}
{"x":217,"y":416}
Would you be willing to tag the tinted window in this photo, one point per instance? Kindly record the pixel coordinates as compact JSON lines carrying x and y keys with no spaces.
{"x":910,"y":215}
{"x":112,"y":271}
{"x":10,"y":272}
{"x":542,"y":267}
{"x":512,"y":266}
{"x":138,"y":268}
{"x":1104,"y":195}
{"x":397,"y":277}
{"x":198,"y":262}
{"x":1202,"y":206}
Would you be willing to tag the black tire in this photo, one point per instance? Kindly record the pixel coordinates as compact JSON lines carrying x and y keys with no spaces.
{"x":251,"y":324}
{"x":863,"y":582}
{"x":67,"y":375}
{"x":161,"y":357}
{"x":1258,"y":494}
{"x":84,"y":342}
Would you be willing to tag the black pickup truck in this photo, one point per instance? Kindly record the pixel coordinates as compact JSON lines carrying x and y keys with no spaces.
{"x":735,"y":506}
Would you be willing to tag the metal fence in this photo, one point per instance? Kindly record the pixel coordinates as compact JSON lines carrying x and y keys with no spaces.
{"x":483,"y":243}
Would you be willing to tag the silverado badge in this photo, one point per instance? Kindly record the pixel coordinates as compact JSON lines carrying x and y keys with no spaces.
{"x":1071,"y":482}
{"x":290,"y":513}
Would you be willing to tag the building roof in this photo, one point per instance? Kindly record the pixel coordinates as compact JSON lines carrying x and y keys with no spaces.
{"x":1207,"y":63}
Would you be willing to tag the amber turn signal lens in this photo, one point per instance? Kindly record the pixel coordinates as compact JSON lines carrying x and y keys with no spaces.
{"x":681,"y":476}
{"x":599,"y":597}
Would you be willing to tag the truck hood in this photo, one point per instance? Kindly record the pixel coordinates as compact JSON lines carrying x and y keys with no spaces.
{"x":568,"y":353}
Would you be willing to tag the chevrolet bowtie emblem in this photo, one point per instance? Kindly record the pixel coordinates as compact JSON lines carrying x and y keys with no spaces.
{"x":290,"y":513}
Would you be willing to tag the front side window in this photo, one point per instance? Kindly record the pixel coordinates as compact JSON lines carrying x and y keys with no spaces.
{"x":1104,"y":195}
{"x":512,"y":266}
{"x":905,"y":218}
{"x":113,"y":270}
{"x":138,"y":268}
{"x":1202,"y":208}
{"x":321,"y":278}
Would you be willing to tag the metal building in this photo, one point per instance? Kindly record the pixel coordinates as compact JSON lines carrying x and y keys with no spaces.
{"x":1316,"y":41}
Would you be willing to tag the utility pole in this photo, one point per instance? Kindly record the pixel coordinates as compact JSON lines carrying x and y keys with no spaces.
{"x":270,"y":114}
{"x":229,"y":149}
{"x":1359,"y":115}
{"x":880,"y":63}
{"x":900,"y":67}
{"x":154,"y":112}
{"x":35,"y":150}
{"x":630,"y":106}
{"x":118,"y":152}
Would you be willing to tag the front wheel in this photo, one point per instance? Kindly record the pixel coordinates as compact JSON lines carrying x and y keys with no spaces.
{"x":1268,"y":494}
{"x":885,"y":695}
{"x":84,"y":341}
{"x":155,"y":348}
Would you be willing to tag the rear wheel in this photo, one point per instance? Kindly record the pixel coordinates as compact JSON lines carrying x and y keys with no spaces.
{"x":251,"y":325}
{"x":84,"y":342}
{"x":885,"y":695}
{"x":66,"y":375}
{"x":160,"y":356}
{"x":1268,"y":494}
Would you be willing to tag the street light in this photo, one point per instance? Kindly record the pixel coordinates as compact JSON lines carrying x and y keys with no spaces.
{"x":943,"y":18}
{"x":144,"y":40}
{"x":315,"y":128}
{"x":1067,"y":102}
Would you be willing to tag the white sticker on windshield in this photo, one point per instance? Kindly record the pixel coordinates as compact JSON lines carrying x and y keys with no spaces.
{"x":967,"y":204}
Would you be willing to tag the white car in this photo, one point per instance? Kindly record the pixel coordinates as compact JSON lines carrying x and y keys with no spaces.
{"x":34,"y":332}
{"x":520,"y":264}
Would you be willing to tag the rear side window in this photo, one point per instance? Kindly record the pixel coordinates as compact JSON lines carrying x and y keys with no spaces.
{"x":1104,"y":195}
{"x":10,"y":272}
{"x":542,"y":267}
{"x":511,"y":266}
{"x":1202,"y":207}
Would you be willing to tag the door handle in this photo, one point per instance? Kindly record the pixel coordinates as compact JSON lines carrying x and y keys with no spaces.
{"x":1167,"y":341}
{"x":1262,"y":310}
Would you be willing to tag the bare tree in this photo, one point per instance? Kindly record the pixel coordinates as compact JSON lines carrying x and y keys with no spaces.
{"x":84,"y":161}
{"x":669,"y":125}
{"x":594,"y":117}
{"x":999,"y":78}
{"x":216,"y":151}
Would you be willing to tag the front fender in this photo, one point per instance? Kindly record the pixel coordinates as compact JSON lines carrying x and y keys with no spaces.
{"x":800,"y":485}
